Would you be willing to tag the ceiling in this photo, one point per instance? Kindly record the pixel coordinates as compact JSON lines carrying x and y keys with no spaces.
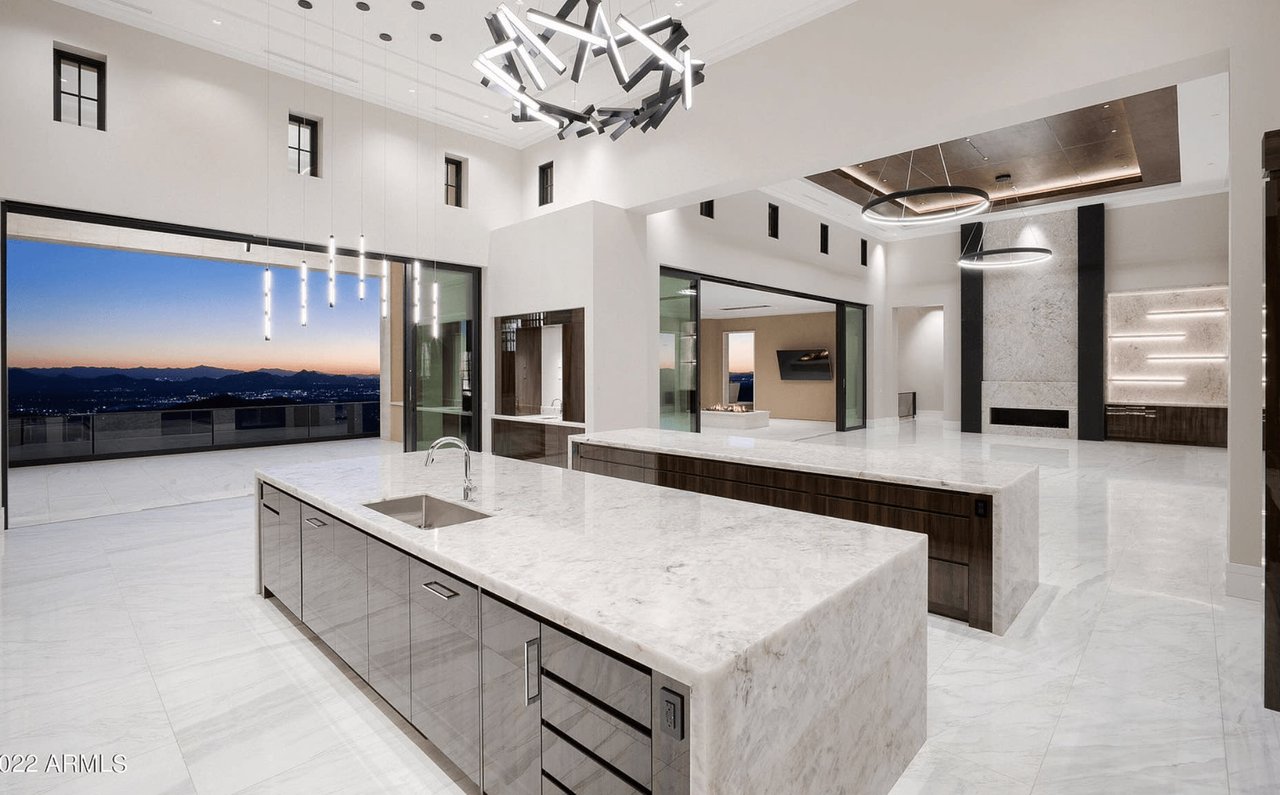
{"x":1127,"y":143}
{"x":435,"y":81}
{"x":1201,"y":149}
{"x":724,"y":301}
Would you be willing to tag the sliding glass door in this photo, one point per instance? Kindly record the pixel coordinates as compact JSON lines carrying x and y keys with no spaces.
{"x":442,"y":310}
{"x":851,"y":359}
{"x":678,"y":351}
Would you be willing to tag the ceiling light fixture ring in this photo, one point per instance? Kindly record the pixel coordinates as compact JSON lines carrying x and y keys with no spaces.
{"x":870,"y":213}
{"x":1008,"y":257}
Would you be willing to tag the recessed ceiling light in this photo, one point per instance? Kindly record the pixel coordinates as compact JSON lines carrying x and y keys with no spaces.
{"x":363,"y":6}
{"x":385,"y":36}
{"x":413,"y":91}
{"x":418,"y":5}
{"x":1107,"y":105}
{"x":217,"y":21}
{"x":437,"y":37}
{"x":304,"y":4}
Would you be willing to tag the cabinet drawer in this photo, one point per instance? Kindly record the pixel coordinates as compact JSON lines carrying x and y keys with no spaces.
{"x":912,"y":498}
{"x":604,"y":735}
{"x":948,"y":535}
{"x":577,"y":771}
{"x":605,"y":678}
{"x":613,"y":455}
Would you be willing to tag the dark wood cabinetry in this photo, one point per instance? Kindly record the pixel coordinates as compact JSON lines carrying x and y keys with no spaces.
{"x":958,"y":524}
{"x":1197,"y":425}
{"x":539,"y":442}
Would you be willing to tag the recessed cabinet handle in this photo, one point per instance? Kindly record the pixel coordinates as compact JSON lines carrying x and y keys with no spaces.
{"x":532,"y":670}
{"x":269,"y":508}
{"x":314,"y":522}
{"x":440,"y":589}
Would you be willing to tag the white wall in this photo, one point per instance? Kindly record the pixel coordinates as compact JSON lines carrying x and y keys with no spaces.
{"x":920,"y":354}
{"x":194,"y":138}
{"x":1180,"y":243}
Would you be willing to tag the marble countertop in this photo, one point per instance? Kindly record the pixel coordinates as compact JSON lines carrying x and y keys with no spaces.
{"x":540,"y":419}
{"x":685,"y":583}
{"x":901,"y":465}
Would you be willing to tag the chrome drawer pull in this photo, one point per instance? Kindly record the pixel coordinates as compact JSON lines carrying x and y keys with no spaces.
{"x":439,"y":589}
{"x":532,"y":666}
{"x":314,"y":522}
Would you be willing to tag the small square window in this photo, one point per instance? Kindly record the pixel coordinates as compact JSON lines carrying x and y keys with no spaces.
{"x":79,"y":90}
{"x":707,"y":209}
{"x":864,"y":252}
{"x":453,"y":181}
{"x":824,"y":238}
{"x":546,"y":183}
{"x":773,"y":221}
{"x":304,"y":146}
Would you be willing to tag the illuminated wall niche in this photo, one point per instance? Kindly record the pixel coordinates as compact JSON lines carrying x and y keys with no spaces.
{"x":1168,"y":346}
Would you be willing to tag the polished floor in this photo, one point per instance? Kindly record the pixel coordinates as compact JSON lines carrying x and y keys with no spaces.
{"x":56,"y":492}
{"x":1130,"y":671}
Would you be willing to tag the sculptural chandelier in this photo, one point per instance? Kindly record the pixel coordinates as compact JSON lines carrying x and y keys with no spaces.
{"x":510,"y":66}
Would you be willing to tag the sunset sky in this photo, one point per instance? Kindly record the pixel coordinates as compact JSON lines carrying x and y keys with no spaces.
{"x":72,"y":305}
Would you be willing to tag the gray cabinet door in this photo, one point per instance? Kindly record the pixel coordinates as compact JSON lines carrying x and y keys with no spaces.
{"x":389,"y":624}
{"x":288,"y":587}
{"x":510,"y":643}
{"x":445,"y":662}
{"x":269,"y":541}
{"x":335,"y":580}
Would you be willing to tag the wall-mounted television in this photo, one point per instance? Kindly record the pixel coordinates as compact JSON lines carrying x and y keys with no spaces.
{"x":808,"y":365}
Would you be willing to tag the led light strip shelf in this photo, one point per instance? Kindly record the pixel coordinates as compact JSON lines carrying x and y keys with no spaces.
{"x":1168,"y":347}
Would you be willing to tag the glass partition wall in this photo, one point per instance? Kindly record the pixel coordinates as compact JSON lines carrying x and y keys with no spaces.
{"x":442,"y":309}
{"x":679,"y":327}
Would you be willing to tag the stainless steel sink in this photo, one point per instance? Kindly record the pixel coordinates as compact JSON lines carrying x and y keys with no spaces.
{"x":426,"y":511}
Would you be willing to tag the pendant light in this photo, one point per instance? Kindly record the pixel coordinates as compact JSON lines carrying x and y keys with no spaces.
{"x":1007,"y":256}
{"x":435,"y":205}
{"x":417,"y":170}
{"x":333,"y":158}
{"x":266,"y":304}
{"x":384,"y":289}
{"x":302,"y":265}
{"x":361,"y":6}
{"x":874,"y":212}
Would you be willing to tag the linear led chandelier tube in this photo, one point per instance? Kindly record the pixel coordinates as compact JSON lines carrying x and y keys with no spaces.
{"x":435,"y":310}
{"x":1009,"y":257}
{"x":302,"y":292}
{"x":362,"y":267}
{"x":384,"y":288}
{"x":333,"y":272}
{"x":510,"y":66}
{"x":266,"y":304}
{"x":417,"y":292}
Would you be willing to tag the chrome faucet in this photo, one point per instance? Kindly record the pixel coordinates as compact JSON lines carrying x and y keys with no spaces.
{"x":558,"y":409}
{"x":468,"y":488}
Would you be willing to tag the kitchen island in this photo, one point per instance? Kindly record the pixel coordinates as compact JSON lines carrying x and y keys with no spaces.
{"x":982,"y":517}
{"x":571,"y":632}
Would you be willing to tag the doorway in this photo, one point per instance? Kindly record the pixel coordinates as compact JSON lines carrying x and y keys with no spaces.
{"x":808,"y":356}
{"x":739,"y":369}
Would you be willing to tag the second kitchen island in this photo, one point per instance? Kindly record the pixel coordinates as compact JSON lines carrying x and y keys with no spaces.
{"x":564,"y":632}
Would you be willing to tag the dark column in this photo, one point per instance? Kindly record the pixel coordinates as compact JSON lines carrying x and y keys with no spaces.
{"x":970,"y":333}
{"x":1271,"y":431}
{"x":1091,"y":323}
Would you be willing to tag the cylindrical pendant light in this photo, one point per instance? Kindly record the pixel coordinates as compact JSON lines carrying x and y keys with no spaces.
{"x":417,"y":292}
{"x":302,"y":291}
{"x":384,"y":288}
{"x":362,"y":267}
{"x":266,"y":304}
{"x":435,"y":310}
{"x":333,"y":272}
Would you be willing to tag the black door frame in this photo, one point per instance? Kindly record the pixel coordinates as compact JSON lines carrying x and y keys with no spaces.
{"x":841,"y":318}
{"x":10,"y":206}
{"x":475,"y":435}
{"x":1271,"y":427}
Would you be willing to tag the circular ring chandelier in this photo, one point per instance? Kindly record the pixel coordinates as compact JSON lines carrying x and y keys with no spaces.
{"x":1010,"y":257}
{"x":512,"y":60}
{"x":870,"y":213}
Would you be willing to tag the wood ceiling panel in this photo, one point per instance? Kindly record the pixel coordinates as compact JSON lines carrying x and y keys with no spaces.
{"x":1119,"y":145}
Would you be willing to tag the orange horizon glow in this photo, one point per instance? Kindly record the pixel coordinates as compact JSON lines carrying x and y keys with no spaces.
{"x":330,"y":366}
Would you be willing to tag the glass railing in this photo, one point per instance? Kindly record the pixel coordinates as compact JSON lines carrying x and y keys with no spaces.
{"x":78,"y":437}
